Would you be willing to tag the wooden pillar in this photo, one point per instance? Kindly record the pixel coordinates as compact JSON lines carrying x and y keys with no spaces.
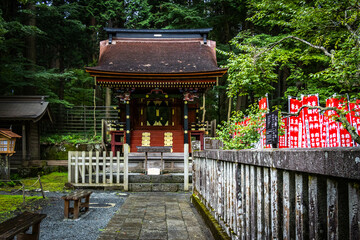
{"x":186,"y":123}
{"x":108,"y":102}
{"x":128,"y":140}
{"x":23,"y":142}
{"x":186,"y":167}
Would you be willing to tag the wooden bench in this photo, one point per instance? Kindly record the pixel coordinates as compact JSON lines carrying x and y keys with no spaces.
{"x":77,"y":197}
{"x":17,"y":226}
{"x":160,"y":149}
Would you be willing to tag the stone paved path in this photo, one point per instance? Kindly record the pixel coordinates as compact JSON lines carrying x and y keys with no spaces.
{"x":156,"y":216}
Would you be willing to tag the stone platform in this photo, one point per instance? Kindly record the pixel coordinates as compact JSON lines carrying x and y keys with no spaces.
{"x":156,"y":216}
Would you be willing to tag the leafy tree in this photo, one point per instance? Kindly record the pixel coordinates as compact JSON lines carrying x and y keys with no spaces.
{"x":297,"y":47}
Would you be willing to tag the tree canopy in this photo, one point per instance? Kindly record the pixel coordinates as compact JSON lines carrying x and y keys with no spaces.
{"x":285,"y":47}
{"x":297,"y":47}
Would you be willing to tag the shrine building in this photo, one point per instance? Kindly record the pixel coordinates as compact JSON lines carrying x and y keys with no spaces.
{"x":157,"y":76}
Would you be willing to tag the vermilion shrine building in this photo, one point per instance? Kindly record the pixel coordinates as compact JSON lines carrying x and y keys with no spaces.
{"x":156,"y":75}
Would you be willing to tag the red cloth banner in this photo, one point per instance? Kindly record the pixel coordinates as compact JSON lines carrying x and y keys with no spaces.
{"x":283,"y":143}
{"x":312,"y":122}
{"x":294,"y":127}
{"x":333,"y":127}
{"x":324,"y":121}
{"x":355,"y":115}
{"x":263,"y":106}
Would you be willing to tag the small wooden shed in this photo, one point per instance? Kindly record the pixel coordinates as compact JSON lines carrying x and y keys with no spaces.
{"x":23,"y":115}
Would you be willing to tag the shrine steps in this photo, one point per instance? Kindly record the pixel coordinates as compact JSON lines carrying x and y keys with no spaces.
{"x":138,"y":182}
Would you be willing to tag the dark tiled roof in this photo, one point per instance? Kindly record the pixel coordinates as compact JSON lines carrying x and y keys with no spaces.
{"x":157,"y":56}
{"x":23,"y":108}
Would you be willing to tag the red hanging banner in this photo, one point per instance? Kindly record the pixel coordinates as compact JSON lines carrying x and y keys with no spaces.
{"x":312,"y":122}
{"x":294,"y":124}
{"x":283,"y":142}
{"x":355,"y":115}
{"x":333,"y":126}
{"x":263,"y":105}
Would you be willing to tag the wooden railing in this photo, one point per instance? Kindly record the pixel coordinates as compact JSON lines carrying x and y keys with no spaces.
{"x":93,"y":169}
{"x":281,"y":194}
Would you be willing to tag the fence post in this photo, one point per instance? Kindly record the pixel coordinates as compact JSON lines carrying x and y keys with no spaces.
{"x":69,"y":166}
{"x":186,"y":167}
{"x":76,"y":167}
{"x":126,"y":167}
{"x":83,"y":167}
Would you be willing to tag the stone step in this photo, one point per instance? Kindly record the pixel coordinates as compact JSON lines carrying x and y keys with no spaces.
{"x":166,"y":178}
{"x":157,"y":187}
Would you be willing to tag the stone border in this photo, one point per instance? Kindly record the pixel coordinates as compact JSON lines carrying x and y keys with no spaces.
{"x":215,"y":228}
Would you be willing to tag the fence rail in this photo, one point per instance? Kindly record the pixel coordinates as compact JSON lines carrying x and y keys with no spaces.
{"x":85,"y":169}
{"x":283,"y":194}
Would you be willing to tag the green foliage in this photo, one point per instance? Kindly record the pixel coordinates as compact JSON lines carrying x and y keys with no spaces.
{"x":247,"y":135}
{"x":69,"y":138}
{"x":267,"y":54}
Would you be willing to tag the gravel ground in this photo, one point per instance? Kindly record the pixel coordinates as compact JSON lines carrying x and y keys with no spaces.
{"x":88,"y":226}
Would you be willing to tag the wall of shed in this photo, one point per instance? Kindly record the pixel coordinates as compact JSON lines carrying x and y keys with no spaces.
{"x":281,"y":194}
{"x":33,"y":141}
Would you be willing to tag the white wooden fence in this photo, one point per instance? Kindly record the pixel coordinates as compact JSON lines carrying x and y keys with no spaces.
{"x":89,"y":169}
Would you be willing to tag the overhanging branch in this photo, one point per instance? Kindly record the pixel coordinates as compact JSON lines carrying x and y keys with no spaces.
{"x":271,"y":46}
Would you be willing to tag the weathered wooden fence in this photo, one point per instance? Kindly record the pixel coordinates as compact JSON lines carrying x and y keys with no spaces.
{"x":281,"y":194}
{"x":93,"y":169}
{"x":82,"y":120}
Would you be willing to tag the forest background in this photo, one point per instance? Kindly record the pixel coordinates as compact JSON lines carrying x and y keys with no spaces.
{"x":284,"y":47}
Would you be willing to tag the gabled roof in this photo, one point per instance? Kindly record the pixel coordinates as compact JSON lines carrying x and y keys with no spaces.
{"x":157,"y":56}
{"x":8,"y":133}
{"x":23,"y":108}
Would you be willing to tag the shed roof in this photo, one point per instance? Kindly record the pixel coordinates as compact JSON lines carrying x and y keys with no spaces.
{"x":23,"y":108}
{"x":157,"y":56}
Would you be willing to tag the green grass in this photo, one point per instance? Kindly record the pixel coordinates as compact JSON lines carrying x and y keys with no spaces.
{"x":52,"y":182}
{"x":10,"y":203}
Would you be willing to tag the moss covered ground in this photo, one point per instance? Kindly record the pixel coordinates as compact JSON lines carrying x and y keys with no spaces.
{"x":11,"y":205}
{"x":52,"y":182}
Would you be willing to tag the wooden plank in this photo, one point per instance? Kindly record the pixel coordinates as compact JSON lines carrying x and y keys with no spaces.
{"x":332,"y":210}
{"x":219,"y":190}
{"x":313,"y":208}
{"x":126,"y":167}
{"x":97,"y":168}
{"x":259,"y":203}
{"x":90,"y":167}
{"x":274,"y":204}
{"x":267,"y":204}
{"x":111,"y":167}
{"x":224,"y":189}
{"x":83,"y":167}
{"x":286,"y":205}
{"x":117,"y":167}
{"x":247,"y":202}
{"x":253,"y":202}
{"x":234,"y":203}
{"x":240,"y":202}
{"x":104,"y":167}
{"x":76,"y":167}
{"x":354,"y":210}
{"x":299,"y":207}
